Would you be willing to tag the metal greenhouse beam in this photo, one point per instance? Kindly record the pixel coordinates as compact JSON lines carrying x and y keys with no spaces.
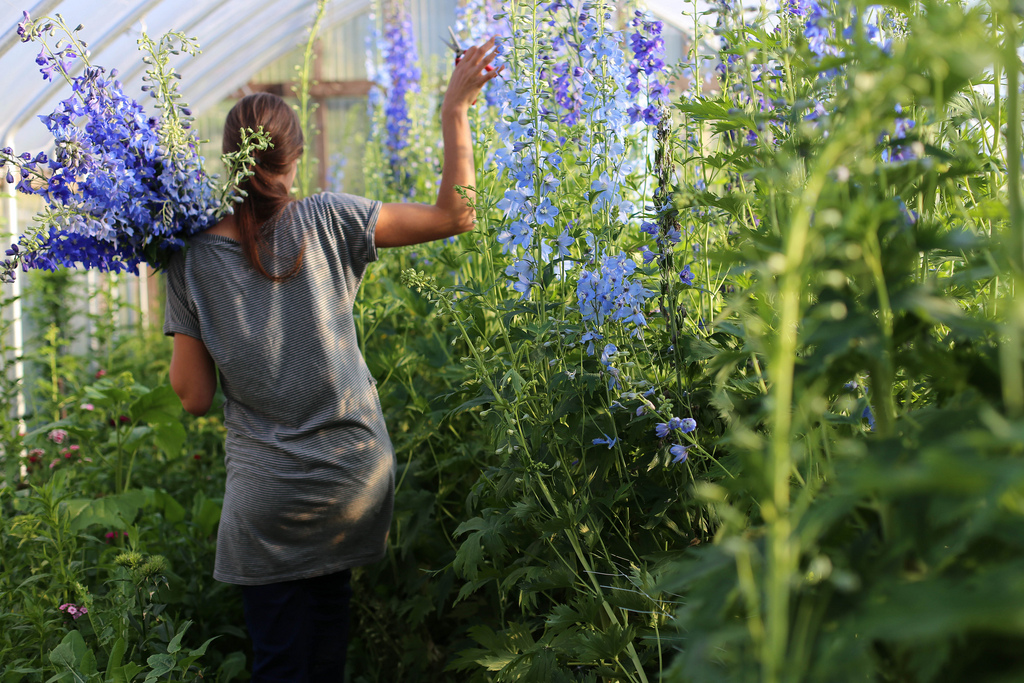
{"x":189,"y":29}
{"x":235,"y":73}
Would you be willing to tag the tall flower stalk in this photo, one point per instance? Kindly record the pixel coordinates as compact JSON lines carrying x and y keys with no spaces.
{"x":397,"y":77}
{"x":306,"y":107}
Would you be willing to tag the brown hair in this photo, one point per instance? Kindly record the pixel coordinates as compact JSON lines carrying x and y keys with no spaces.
{"x":266,"y":193}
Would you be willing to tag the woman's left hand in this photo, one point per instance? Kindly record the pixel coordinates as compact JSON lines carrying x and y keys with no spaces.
{"x":472,"y":71}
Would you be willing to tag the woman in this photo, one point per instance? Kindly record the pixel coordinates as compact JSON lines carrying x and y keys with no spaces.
{"x":264,"y":298}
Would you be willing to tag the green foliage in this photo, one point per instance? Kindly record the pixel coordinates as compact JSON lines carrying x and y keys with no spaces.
{"x":306,"y":108}
{"x":851,"y":505}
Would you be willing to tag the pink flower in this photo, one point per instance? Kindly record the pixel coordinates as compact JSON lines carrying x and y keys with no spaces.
{"x":74,"y":610}
{"x":57,"y":436}
{"x":74,"y":447}
{"x":54,"y":463}
{"x":87,"y":406}
{"x":100,"y":373}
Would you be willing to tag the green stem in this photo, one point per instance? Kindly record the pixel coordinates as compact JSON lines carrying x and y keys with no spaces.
{"x":120,"y":454}
{"x":302,"y":92}
{"x":1010,"y":352}
{"x":883,"y":374}
{"x":782,"y":547}
{"x":1013,"y":140}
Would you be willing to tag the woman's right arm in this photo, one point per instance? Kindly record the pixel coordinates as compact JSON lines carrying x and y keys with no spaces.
{"x":400,"y":225}
{"x":193,"y":374}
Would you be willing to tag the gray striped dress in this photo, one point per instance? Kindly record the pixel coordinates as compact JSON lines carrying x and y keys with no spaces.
{"x":310,"y":467}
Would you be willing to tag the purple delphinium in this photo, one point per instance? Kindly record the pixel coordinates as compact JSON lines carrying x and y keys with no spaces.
{"x":680,"y":424}
{"x":818,"y":30}
{"x":901,"y":127}
{"x":869,"y":416}
{"x":648,"y":51}
{"x":114,"y":196}
{"x":578,"y":71}
{"x":611,"y":292}
{"x":398,"y":76}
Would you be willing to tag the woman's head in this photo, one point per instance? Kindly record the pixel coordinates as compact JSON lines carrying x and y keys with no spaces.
{"x":268,"y":188}
{"x":278,"y":119}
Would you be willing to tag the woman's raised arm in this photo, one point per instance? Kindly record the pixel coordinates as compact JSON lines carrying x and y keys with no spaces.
{"x":399,"y":225}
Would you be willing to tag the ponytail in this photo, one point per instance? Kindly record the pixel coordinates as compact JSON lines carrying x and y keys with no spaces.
{"x":266,"y":193}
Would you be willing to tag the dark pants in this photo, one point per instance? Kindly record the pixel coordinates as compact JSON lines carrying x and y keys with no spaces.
{"x":299,"y":629}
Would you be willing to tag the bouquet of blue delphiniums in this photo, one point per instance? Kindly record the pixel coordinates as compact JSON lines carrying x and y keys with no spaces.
{"x":121,"y":187}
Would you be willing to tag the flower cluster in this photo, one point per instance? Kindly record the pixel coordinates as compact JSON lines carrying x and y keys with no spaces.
{"x":74,"y":611}
{"x":114,"y":195}
{"x":575,"y":88}
{"x":818,"y":30}
{"x":683,"y":425}
{"x":648,"y":62}
{"x":399,"y":77}
{"x":901,"y":127}
{"x":611,"y":292}
{"x":35,"y":456}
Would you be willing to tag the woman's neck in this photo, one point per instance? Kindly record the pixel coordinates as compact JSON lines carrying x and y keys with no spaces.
{"x":227,"y":228}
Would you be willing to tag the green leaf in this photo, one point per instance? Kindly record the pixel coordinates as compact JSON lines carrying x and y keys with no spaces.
{"x":114,"y":512}
{"x":136,"y":436}
{"x":116,"y":655}
{"x":481,"y":400}
{"x":175,"y":643}
{"x":160,"y":665}
{"x":63,"y":656}
{"x":195,"y":654}
{"x":127,"y":672}
{"x":232,"y":665}
{"x":205,"y":514}
{"x":170,"y":437}
{"x":173,"y":511}
{"x":161,"y":405}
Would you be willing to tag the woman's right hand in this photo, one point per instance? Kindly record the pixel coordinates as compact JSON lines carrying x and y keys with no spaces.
{"x":472,"y":71}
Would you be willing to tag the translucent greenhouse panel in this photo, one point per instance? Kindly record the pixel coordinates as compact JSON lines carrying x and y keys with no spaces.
{"x":238,"y":36}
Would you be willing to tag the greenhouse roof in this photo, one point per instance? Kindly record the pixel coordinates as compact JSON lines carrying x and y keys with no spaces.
{"x":238,"y":37}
